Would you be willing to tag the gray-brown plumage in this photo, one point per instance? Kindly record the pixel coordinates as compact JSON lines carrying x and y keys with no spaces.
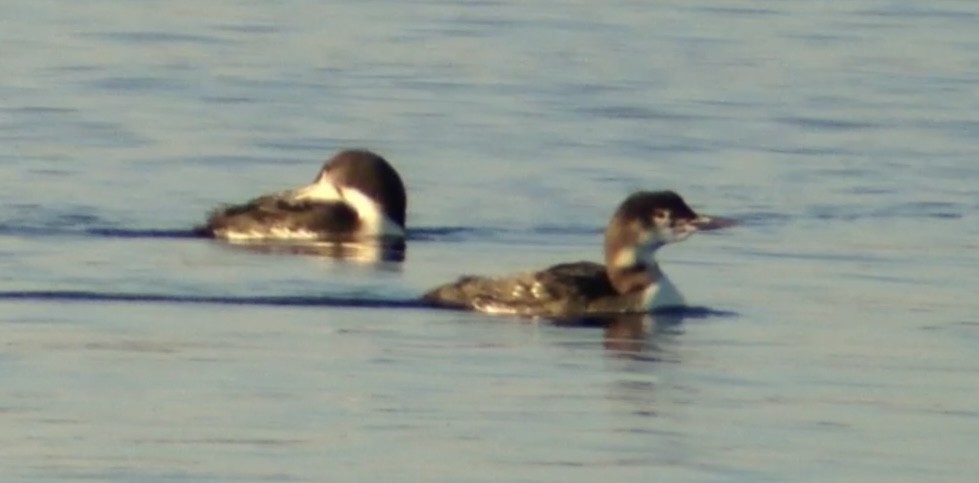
{"x":564,"y":289}
{"x":265,"y":215}
{"x":629,"y":282}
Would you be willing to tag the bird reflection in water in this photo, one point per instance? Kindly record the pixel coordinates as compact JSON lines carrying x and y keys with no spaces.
{"x":632,"y":334}
{"x":367,"y":252}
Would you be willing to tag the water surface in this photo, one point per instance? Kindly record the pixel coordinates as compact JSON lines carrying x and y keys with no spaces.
{"x":843,"y":344}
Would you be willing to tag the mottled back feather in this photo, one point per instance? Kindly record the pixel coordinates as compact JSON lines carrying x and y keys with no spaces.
{"x":267,"y":213}
{"x":561,"y":290}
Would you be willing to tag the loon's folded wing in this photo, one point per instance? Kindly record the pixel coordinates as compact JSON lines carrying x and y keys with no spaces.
{"x":274,"y":216}
{"x":556,"y":291}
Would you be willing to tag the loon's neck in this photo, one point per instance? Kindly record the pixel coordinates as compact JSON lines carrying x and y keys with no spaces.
{"x":655,"y":289}
{"x":632,"y":269}
{"x":631,"y":266}
{"x":634,"y":277}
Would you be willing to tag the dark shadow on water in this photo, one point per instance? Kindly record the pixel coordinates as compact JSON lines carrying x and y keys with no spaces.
{"x":438,"y":233}
{"x":664,"y":319}
{"x":272,"y":301}
{"x":125,"y":233}
{"x":103,"y":232}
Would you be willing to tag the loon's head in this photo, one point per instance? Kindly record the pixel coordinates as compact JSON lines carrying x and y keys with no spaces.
{"x":644,"y":222}
{"x":364,"y":177}
{"x":368,"y":185}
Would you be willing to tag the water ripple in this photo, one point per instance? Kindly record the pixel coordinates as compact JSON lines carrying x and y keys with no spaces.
{"x":828,"y":124}
{"x":147,"y":38}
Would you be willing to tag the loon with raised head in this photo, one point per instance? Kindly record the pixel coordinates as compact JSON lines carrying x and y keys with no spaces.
{"x":357,"y":195}
{"x":629,"y":282}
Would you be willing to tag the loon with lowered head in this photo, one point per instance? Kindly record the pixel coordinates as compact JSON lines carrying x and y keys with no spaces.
{"x":357,"y":195}
{"x":629,"y":282}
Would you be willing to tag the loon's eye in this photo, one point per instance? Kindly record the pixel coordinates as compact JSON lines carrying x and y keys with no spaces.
{"x":660,"y":216}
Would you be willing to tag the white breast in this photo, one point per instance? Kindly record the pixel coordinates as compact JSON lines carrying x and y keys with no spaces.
{"x":662,"y":294}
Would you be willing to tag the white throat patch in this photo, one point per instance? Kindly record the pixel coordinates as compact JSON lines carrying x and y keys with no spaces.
{"x":643,"y":253}
{"x":375,"y":221}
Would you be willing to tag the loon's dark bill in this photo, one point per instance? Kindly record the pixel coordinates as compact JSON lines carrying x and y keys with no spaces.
{"x":707,"y":223}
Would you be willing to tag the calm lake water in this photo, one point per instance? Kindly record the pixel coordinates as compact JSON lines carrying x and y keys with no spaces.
{"x":841,"y":340}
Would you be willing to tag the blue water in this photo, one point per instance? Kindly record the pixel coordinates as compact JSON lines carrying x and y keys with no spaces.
{"x":839,"y":333}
